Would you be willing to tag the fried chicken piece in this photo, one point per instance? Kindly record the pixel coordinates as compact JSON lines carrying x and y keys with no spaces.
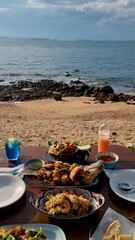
{"x":72,"y":166}
{"x":56,"y":176}
{"x":75,"y":173}
{"x":64,"y":179}
{"x":49,"y":166}
{"x":60,"y":164}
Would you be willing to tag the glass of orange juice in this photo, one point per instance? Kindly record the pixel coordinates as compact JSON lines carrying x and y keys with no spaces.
{"x":103,"y":138}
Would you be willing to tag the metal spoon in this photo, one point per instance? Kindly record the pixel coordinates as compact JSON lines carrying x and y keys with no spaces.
{"x":126,"y":186}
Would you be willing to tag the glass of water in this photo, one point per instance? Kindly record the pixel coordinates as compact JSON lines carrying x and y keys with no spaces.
{"x":12,"y":148}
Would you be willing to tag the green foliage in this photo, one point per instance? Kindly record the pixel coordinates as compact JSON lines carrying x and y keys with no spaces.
{"x":132,"y":147}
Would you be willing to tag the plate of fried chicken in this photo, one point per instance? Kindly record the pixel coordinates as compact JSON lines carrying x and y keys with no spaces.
{"x":65,"y":174}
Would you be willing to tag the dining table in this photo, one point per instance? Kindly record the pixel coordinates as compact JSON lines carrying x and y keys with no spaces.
{"x":22,"y":212}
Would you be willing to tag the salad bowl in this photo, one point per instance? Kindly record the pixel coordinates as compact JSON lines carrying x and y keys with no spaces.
{"x":72,"y":152}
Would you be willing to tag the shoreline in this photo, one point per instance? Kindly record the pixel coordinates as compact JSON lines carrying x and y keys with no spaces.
{"x":74,"y":118}
{"x":14,"y":82}
{"x":27,"y":91}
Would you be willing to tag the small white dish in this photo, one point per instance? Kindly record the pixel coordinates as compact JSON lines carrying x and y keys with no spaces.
{"x":34,"y":164}
{"x":127,"y":175}
{"x":11,"y":189}
{"x":51,"y":231}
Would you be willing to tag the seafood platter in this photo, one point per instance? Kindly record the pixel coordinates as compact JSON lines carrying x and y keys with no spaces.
{"x":66,"y":197}
{"x":67,"y":202}
{"x":65,"y":174}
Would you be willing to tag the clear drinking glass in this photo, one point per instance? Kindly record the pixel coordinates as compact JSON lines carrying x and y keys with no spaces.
{"x":103,"y":138}
{"x":12,"y":148}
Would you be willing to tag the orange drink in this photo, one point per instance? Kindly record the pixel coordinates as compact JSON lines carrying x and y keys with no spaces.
{"x":103,"y":143}
{"x":103,"y":138}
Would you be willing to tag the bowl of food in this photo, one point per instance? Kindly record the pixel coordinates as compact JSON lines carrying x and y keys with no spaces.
{"x":110,"y":159}
{"x":67,"y":202}
{"x":67,"y":151}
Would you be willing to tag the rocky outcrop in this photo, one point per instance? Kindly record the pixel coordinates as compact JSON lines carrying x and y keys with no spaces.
{"x":28,"y":90}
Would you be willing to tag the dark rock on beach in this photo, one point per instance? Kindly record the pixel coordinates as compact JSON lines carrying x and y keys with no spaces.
{"x":1,"y":80}
{"x":28,"y":90}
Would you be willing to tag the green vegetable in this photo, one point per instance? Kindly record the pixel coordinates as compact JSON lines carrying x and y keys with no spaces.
{"x":65,"y":169}
{"x":132,"y":147}
{"x":13,"y":141}
{"x":31,"y":232}
{"x":77,"y":143}
{"x":52,"y":142}
{"x":38,"y":236}
{"x":35,"y":234}
{"x":30,"y":235}
{"x":6,"y":236}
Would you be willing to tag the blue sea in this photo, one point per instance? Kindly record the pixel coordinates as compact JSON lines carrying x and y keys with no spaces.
{"x":93,"y":62}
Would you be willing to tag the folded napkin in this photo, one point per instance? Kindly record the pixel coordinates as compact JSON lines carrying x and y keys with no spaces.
{"x":17,"y":171}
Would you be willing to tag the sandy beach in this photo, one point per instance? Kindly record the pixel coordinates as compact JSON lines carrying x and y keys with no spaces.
{"x":74,"y":118}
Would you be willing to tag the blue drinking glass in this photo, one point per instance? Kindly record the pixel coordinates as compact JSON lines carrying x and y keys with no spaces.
{"x":12,"y":148}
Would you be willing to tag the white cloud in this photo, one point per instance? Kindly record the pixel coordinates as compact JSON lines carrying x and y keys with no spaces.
{"x":113,"y":10}
{"x":81,"y":4}
{"x":74,"y":17}
{"x":36,"y":4}
{"x":47,"y":4}
{"x":4,"y":9}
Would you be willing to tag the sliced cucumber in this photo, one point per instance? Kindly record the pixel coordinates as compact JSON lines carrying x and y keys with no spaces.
{"x":85,"y":147}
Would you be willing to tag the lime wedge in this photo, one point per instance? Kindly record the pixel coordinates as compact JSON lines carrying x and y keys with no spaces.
{"x":11,"y":139}
{"x":85,"y":147}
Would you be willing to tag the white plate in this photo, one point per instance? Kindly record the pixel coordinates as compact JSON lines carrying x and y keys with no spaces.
{"x":52,"y":232}
{"x":128,"y":176}
{"x":11,"y":189}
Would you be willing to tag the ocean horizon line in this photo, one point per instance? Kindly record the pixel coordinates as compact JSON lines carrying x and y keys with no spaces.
{"x":64,"y":40}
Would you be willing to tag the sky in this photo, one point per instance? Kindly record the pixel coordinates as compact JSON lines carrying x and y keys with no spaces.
{"x":68,"y":20}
